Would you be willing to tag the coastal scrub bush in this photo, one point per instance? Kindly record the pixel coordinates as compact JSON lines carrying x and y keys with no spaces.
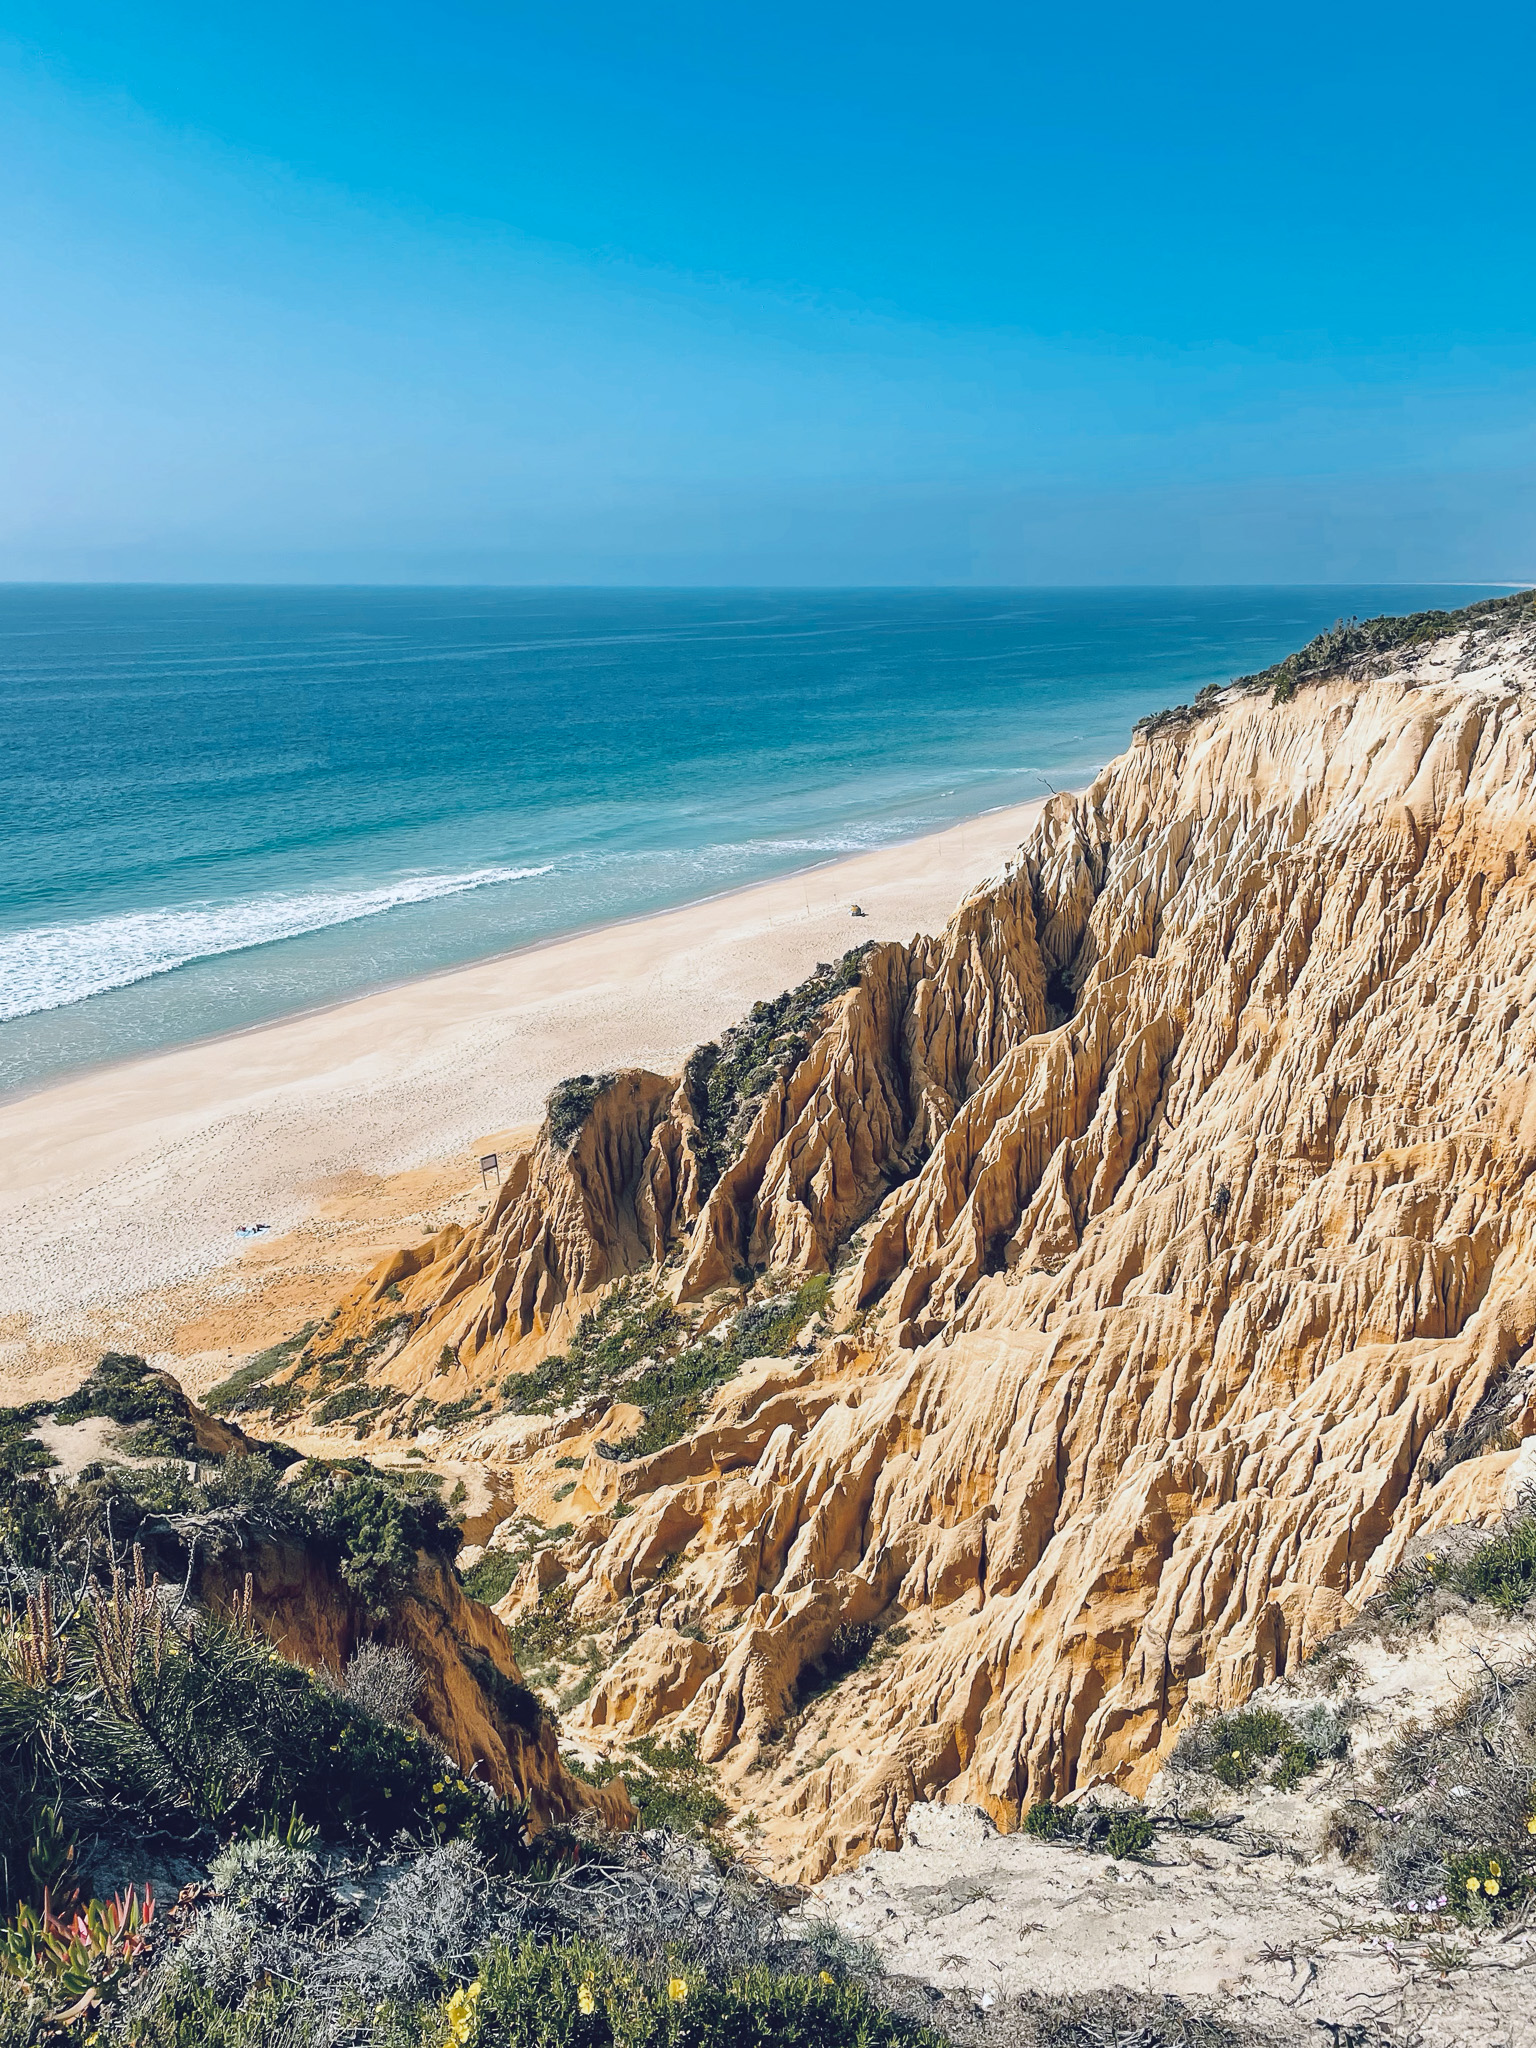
{"x":125,"y":1389}
{"x":570,"y":1104}
{"x":354,"y":1400}
{"x":578,"y":1994}
{"x":227,"y":1397}
{"x":635,"y":1347}
{"x":490,"y":1578}
{"x":1471,"y":1565}
{"x":671,"y":1786}
{"x":1503,"y":1570}
{"x":1119,"y":1831}
{"x":1260,"y":1741}
{"x":384,"y":1682}
{"x":1455,"y":1802}
{"x":375,"y":1527}
{"x":727,"y":1081}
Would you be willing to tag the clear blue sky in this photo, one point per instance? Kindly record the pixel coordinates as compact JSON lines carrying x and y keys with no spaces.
{"x":709,"y":293}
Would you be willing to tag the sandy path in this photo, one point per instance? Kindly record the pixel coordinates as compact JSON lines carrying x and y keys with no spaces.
{"x":131,"y":1181}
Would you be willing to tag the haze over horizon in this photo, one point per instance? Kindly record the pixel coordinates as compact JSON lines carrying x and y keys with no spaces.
{"x":491,"y":296}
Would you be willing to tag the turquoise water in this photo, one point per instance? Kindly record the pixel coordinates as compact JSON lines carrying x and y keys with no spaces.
{"x":218,"y":806}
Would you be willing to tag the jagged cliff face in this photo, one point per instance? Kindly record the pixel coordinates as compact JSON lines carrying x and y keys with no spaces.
{"x":1179,"y":1198}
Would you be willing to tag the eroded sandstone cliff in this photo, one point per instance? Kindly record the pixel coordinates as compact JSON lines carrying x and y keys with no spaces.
{"x":1177,"y":1200}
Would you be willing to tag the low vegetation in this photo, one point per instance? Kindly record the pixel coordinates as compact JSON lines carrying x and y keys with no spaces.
{"x":727,"y":1081}
{"x":672,"y":1787}
{"x":570,"y":1104}
{"x":1261,"y":1744}
{"x":635,"y":1347}
{"x":1450,"y":1827}
{"x":1121,"y":1832}
{"x":1498,"y":1569}
{"x":1351,"y":641}
{"x":123,"y":1389}
{"x":224,"y":1399}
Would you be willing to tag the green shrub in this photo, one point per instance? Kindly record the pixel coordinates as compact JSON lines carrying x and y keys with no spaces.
{"x":376,"y":1528}
{"x":354,"y":1400}
{"x":490,"y":1579}
{"x":20,"y":1451}
{"x":228,"y":1396}
{"x":548,"y":1633}
{"x":125,"y":1389}
{"x":531,"y":1996}
{"x":1117,"y":1830}
{"x":1503,"y":1570}
{"x":671,"y":1786}
{"x":1048,"y":1822}
{"x":570,"y":1104}
{"x":1130,"y":1834}
{"x":633,"y":1346}
{"x":1236,"y":1748}
{"x":727,"y":1082}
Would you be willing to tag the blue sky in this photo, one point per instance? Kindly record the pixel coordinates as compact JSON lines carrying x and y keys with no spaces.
{"x":702,"y":294}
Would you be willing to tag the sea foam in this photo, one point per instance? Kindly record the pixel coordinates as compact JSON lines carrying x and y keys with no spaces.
{"x":49,"y":966}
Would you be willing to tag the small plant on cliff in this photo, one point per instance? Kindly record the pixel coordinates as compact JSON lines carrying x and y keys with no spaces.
{"x":672,"y":1787}
{"x":1258,"y":1741}
{"x":727,"y":1082}
{"x":227,"y":1397}
{"x":548,"y":1634}
{"x":490,"y":1579}
{"x":1119,"y":1831}
{"x":577,"y":1994}
{"x":1471,"y":1565}
{"x":1455,"y":1799}
{"x":570,"y":1104}
{"x":635,"y":1347}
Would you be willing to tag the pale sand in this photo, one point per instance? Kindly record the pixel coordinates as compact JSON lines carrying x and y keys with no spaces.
{"x":120,"y":1191}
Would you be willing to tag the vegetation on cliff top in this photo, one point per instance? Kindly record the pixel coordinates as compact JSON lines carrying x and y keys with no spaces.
{"x":1347,"y":641}
{"x":727,"y":1081}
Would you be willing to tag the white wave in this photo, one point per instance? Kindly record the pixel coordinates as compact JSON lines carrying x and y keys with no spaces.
{"x":52,"y":965}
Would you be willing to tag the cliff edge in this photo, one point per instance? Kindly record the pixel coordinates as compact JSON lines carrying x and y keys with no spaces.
{"x":1174,"y":1212}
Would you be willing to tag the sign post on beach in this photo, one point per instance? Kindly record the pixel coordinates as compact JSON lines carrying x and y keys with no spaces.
{"x":490,"y":1164}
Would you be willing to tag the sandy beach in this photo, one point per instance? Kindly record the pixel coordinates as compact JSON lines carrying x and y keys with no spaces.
{"x":351,"y":1129}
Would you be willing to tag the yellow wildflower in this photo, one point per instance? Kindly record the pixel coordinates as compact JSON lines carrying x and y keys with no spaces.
{"x":1471,"y":1884}
{"x":827,"y":1977}
{"x":1530,"y":1827}
{"x":461,"y":2014}
{"x":1429,"y":1557}
{"x":1493,"y":1869}
{"x":439,"y":1808}
{"x":586,"y":1998}
{"x":677,"y":1989}
{"x":437,"y":1787}
{"x":1491,"y":1887}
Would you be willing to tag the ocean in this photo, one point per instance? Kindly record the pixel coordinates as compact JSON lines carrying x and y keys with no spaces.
{"x":221,"y":806}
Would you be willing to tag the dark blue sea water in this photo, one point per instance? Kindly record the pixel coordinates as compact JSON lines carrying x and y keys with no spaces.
{"x":221,"y":805}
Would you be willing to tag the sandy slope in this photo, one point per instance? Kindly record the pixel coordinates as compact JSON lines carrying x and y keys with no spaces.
{"x":127,"y":1182}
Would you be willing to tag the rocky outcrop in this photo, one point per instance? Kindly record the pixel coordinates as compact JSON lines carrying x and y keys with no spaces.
{"x":1179,"y":1203}
{"x":569,"y":1217}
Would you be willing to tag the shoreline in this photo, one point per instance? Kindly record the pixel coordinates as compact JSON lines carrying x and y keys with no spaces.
{"x":95,"y":1069}
{"x":121,"y":1186}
